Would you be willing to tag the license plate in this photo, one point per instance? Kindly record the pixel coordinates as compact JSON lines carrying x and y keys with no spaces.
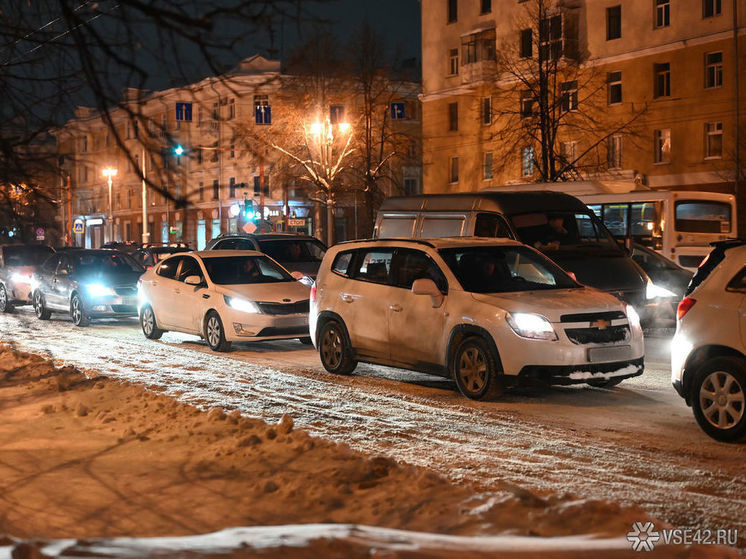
{"x":129,"y":300}
{"x":614,"y":353}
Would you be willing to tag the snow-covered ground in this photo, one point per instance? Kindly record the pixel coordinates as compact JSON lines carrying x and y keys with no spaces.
{"x":636,"y":444}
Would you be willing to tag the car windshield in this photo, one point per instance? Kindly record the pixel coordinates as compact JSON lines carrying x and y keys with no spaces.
{"x":293,"y":250}
{"x":26,"y":255}
{"x":104,"y":263}
{"x":502,"y":269}
{"x":565,"y":231}
{"x":236,"y":270}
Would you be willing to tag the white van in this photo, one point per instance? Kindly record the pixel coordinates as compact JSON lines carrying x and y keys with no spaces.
{"x":581,"y":244}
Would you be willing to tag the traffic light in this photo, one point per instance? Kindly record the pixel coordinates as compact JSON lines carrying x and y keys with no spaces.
{"x":178,"y":150}
{"x":248,"y":209}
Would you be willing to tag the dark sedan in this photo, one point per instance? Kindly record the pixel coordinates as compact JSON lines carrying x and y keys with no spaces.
{"x":667,"y":285}
{"x":87,"y":284}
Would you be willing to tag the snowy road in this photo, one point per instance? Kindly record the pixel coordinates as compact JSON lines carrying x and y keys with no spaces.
{"x":637,"y":443}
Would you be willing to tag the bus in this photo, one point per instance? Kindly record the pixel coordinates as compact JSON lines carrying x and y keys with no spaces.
{"x":679,"y":224}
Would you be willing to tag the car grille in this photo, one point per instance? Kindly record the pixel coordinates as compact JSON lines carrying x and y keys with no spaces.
{"x":298,"y":307}
{"x":599,"y":329}
{"x":124,"y":309}
{"x":125,"y":291}
{"x":289,"y":331}
{"x":608,"y":335}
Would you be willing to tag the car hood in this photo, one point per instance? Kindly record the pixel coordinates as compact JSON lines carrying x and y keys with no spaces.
{"x":553,"y":303}
{"x":123,"y":279}
{"x":268,"y":292}
{"x":607,"y":273}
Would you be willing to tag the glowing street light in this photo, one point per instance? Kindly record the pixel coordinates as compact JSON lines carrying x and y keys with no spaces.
{"x":109,"y":172}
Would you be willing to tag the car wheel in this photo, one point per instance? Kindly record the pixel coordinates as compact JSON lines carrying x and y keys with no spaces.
{"x":334,"y":349}
{"x":5,"y":304}
{"x":40,"y":308}
{"x":475,"y":370}
{"x":718,"y":394}
{"x":604,"y":383}
{"x":77,"y":311}
{"x":306,"y":340}
{"x":214,"y":333}
{"x":148,"y":323}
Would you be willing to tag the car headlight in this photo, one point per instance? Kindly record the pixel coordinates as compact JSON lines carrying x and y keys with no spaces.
{"x":533,"y":326}
{"x":99,"y":290}
{"x":653,"y":291}
{"x":632,"y":316}
{"x":243,"y":305}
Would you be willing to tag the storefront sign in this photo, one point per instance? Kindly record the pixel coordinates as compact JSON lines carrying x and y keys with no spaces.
{"x":297,"y":222}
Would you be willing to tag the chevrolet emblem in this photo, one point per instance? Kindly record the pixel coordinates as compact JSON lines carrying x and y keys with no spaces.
{"x":601,"y":324}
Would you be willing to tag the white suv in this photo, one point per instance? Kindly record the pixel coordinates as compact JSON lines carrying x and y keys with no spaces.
{"x":708,"y":351}
{"x":487,"y":312}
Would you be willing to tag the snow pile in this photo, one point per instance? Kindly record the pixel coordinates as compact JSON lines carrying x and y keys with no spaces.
{"x":92,"y":457}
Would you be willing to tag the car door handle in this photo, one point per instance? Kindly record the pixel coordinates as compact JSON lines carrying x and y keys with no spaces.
{"x":205,"y":296}
{"x":395,"y":308}
{"x":347,"y":298}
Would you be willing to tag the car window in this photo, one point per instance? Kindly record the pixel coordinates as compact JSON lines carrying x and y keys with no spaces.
{"x":564,"y":231}
{"x":50,"y":264}
{"x":442,"y":226}
{"x":341,"y":263}
{"x":293,"y":250}
{"x":239,"y":270}
{"x":168,"y":267}
{"x":409,"y":265}
{"x":502,"y":269}
{"x":396,"y":226}
{"x":189,"y":267}
{"x":104,"y":262}
{"x":244,"y":244}
{"x":373,"y":265}
{"x":26,"y":255}
{"x":491,"y":225}
{"x":738,"y":283}
{"x":227,"y":244}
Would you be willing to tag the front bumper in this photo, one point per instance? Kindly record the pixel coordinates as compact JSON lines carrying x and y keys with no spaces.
{"x":576,"y":374}
{"x":241,"y":326}
{"x":111,"y":306}
{"x":19,"y":292}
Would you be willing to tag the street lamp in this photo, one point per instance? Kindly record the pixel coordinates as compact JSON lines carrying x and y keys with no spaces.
{"x":109,"y":172}
{"x":325,"y":134}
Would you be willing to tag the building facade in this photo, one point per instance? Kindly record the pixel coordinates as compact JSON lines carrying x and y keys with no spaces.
{"x":639,"y":93}
{"x":198,"y":161}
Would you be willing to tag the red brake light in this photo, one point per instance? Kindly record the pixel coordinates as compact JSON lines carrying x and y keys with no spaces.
{"x":684,"y":306}
{"x":313,"y":293}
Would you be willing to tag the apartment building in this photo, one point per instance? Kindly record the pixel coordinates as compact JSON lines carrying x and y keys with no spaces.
{"x":639,"y":93}
{"x":188,"y":161}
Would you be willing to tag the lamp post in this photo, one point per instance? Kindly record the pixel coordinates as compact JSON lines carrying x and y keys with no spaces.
{"x":109,"y":172}
{"x":325,"y":134}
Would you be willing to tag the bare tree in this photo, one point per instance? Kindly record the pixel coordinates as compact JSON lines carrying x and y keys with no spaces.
{"x":551,"y":103}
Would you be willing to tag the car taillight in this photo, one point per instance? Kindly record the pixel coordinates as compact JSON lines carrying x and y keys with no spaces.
{"x":313,"y":293}
{"x":684,"y":306}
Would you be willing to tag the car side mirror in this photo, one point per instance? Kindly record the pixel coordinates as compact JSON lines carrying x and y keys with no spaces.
{"x":426,"y":286}
{"x":297,"y":275}
{"x":193,"y":280}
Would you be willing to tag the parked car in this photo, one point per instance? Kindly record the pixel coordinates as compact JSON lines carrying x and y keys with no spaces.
{"x":708,"y":351}
{"x":297,"y":253}
{"x":125,"y":246}
{"x":17,"y":265}
{"x":149,"y":254}
{"x":224,"y":296}
{"x":487,"y":312}
{"x":667,"y":285}
{"x":87,"y":284}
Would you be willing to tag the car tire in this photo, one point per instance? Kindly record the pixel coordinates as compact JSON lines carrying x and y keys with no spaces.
{"x":335,"y":350}
{"x":40,"y":307}
{"x":215,"y":333}
{"x":5,"y":304}
{"x":148,"y":324}
{"x":305,"y":340}
{"x":475,"y":370}
{"x":604,"y":383}
{"x":77,"y":311}
{"x":718,"y":397}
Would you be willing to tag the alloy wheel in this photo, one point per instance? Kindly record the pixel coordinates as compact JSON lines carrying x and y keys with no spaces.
{"x":213,"y":331}
{"x":721,"y":399}
{"x":473,"y":369}
{"x":331,"y":347}
{"x":3,"y":299}
{"x":148,"y":321}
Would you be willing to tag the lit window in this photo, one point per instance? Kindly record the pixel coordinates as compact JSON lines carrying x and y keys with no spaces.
{"x":262,"y":109}
{"x":663,"y":146}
